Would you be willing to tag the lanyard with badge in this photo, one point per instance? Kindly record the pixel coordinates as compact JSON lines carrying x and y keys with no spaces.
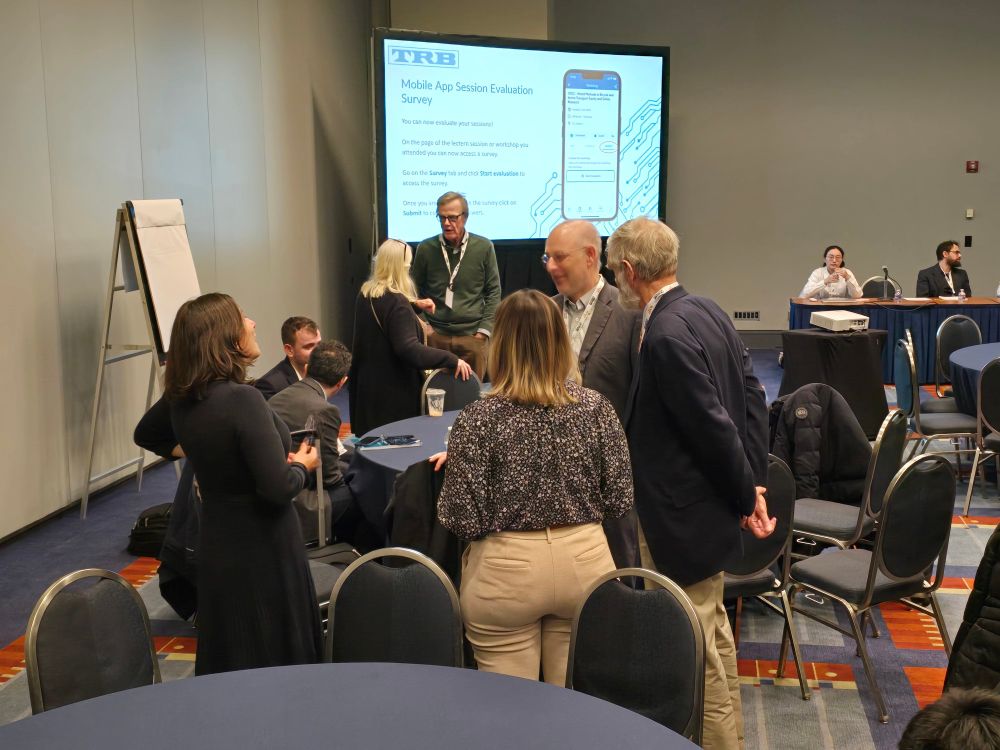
{"x":585,"y":315}
{"x":449,"y":292}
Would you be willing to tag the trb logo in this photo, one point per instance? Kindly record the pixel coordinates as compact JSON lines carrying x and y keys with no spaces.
{"x":432,"y":57}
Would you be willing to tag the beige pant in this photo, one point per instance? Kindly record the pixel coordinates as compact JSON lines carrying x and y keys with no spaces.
{"x":520,"y":590}
{"x":469,"y":348}
{"x":722,"y":725}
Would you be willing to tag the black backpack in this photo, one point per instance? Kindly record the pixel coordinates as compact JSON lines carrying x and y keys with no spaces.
{"x":149,"y":531}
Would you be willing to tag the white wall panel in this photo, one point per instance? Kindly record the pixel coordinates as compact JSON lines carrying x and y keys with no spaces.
{"x":239,"y":176}
{"x":173,"y":118}
{"x":32,"y":440}
{"x":93,"y":129}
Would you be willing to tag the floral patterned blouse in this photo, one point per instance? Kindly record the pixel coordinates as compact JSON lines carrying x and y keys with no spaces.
{"x":517,"y":467}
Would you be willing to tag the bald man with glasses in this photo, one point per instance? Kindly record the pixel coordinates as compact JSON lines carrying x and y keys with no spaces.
{"x":458,"y":271}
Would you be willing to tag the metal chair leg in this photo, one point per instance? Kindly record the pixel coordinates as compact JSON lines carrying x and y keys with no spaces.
{"x":869,"y":619}
{"x":939,"y":619}
{"x":796,"y":653}
{"x":869,"y":672}
{"x":972,"y":483}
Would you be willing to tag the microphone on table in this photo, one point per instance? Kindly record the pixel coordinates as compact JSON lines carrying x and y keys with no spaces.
{"x":885,"y":282}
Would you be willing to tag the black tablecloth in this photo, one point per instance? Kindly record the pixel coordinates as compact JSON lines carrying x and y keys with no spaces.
{"x":921,"y":318}
{"x":966,"y":364}
{"x":373,"y":472}
{"x":850,"y":362}
{"x":343,"y":706}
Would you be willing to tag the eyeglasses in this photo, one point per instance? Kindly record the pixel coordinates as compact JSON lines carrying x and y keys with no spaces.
{"x":450,"y":219}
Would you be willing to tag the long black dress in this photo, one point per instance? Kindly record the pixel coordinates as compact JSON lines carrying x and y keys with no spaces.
{"x":388,"y":360}
{"x":256,"y":602}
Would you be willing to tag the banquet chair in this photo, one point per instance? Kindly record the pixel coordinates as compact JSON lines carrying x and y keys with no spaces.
{"x":87,"y":640}
{"x":955,"y":332}
{"x":938,"y":404}
{"x":641,"y":649}
{"x":926,"y":427}
{"x":908,"y":560}
{"x":987,"y":427}
{"x":755,"y":573}
{"x":873,"y":287}
{"x":406,"y":613}
{"x":457,"y":392}
{"x":843,"y":525}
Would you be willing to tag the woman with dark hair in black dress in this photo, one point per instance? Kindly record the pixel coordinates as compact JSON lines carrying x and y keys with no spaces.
{"x":256,"y":602}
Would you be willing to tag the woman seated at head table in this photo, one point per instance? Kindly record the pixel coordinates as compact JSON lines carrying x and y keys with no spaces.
{"x":256,"y":600}
{"x":389,"y":356}
{"x":533,"y":468}
{"x":832,"y":279}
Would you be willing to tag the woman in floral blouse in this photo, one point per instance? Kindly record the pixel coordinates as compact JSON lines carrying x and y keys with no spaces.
{"x":533,"y":469}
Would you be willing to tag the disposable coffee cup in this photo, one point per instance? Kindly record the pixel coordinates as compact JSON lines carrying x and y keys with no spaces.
{"x":435,"y":402}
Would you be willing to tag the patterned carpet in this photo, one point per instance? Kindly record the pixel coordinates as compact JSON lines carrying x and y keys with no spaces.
{"x":908,"y":658}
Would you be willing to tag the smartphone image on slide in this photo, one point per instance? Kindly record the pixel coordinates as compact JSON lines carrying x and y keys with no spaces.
{"x":592,"y":118}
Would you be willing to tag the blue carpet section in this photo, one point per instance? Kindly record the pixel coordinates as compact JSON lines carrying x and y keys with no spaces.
{"x":33,"y":560}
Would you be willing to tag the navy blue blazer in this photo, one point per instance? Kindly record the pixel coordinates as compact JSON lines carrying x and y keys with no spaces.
{"x":276,"y":379}
{"x":697,"y":430}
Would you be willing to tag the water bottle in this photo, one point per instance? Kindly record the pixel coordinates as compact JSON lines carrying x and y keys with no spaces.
{"x":898,"y":296}
{"x":961,"y":295}
{"x":998,"y":291}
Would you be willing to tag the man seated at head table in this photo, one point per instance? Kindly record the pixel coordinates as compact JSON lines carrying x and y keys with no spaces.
{"x":326,"y":373}
{"x":604,"y":337}
{"x":832,"y":279}
{"x":298,"y":336}
{"x":946,"y":277}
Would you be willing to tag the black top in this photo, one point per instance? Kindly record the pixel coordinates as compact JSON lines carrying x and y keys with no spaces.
{"x":256,"y":601}
{"x":389,"y":358}
{"x":932,"y":283}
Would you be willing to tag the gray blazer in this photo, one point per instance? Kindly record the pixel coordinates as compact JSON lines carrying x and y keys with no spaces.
{"x":610,"y":348}
{"x":608,"y":357}
{"x":294,"y":404}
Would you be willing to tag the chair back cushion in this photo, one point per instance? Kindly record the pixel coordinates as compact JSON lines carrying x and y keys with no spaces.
{"x":916,"y":518}
{"x":903,"y":374}
{"x":404,"y":615}
{"x":887,"y":457}
{"x":91,"y":640}
{"x":955,"y":332}
{"x":637,"y":649}
{"x":759,"y":554}
{"x":457,"y":392}
{"x":989,"y":395}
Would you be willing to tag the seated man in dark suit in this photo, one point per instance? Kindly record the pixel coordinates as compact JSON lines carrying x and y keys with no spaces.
{"x":326,"y":374}
{"x":299,"y":335}
{"x":946,"y":277}
{"x":604,"y":337}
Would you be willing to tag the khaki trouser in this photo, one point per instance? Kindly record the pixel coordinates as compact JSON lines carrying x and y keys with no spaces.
{"x":520,"y":590}
{"x":473,"y":350}
{"x":722,"y":725}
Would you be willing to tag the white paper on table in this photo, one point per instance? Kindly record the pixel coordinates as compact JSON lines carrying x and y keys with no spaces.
{"x":920,"y":299}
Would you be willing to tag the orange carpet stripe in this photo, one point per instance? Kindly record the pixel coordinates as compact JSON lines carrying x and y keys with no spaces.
{"x":927,"y":683}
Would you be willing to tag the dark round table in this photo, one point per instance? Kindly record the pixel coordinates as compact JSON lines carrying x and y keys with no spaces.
{"x":343,"y":705}
{"x":372,"y":473}
{"x":966,"y":364}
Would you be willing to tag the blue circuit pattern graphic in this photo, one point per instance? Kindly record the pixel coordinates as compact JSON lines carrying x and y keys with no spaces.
{"x":638,"y":181}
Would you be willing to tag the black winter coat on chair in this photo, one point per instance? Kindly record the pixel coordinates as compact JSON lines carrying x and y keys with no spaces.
{"x":816,"y":433}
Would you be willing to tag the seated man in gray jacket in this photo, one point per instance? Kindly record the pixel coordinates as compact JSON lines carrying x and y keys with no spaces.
{"x":326,"y":374}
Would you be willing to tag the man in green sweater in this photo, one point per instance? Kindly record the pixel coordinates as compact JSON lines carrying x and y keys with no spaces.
{"x":458,"y":271}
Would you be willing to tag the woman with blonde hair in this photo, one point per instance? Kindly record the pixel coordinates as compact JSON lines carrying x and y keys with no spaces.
{"x":533,"y":469}
{"x":389,"y":356}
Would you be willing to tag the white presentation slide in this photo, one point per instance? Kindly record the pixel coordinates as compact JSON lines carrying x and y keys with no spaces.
{"x":530,"y":137}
